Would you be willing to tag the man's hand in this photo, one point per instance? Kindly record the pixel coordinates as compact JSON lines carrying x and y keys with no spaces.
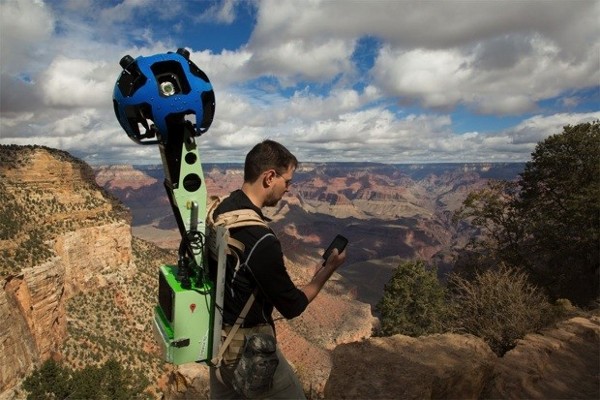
{"x":323,"y":274}
{"x":335,"y":259}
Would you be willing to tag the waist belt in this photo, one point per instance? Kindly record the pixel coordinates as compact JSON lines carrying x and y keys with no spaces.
{"x":227,"y":327}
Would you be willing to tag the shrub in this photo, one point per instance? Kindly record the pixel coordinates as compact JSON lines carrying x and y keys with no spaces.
{"x":413,"y":302}
{"x":499,"y":306}
{"x":107,"y":381}
{"x":51,"y":380}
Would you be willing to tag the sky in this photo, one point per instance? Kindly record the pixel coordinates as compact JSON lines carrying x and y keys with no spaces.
{"x":334,"y":81}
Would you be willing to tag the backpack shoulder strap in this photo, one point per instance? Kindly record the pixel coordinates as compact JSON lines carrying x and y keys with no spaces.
{"x":232,"y":219}
{"x":227,"y":221}
{"x":216,"y":361}
{"x":239,"y":218}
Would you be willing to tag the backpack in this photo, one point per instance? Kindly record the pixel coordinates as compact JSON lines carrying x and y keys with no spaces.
{"x":220,"y":245}
{"x":219,"y":228}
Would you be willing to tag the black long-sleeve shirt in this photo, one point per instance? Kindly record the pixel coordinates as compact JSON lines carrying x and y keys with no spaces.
{"x":265,"y":269}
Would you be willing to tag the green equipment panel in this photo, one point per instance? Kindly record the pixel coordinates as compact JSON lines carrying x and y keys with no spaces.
{"x":182,"y":319}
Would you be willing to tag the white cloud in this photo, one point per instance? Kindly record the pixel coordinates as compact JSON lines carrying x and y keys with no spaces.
{"x":435,"y":77}
{"x":84,"y":121}
{"x":309,"y":107}
{"x":26,"y":27}
{"x":77,"y":83}
{"x":60,"y":64}
{"x":510,"y":54}
{"x":537,"y":128}
{"x":225,"y":68}
{"x":124,"y":11}
{"x":303,"y":59}
{"x":511,"y":82}
{"x":223,"y":12}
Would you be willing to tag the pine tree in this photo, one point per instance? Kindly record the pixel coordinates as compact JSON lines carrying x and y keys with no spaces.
{"x":547,"y":223}
{"x":412,"y":302}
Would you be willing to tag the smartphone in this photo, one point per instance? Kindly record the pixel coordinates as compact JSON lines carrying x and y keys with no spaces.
{"x":339,"y":243}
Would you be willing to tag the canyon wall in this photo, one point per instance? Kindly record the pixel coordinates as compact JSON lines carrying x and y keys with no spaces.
{"x":70,"y":237}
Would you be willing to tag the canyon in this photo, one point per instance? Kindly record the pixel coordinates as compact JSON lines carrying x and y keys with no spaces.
{"x":81,"y":247}
{"x":389,"y":213}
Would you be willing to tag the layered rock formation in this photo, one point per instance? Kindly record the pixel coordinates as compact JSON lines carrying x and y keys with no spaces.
{"x":69,"y":237}
{"x":85,"y":246}
{"x":389,"y":212}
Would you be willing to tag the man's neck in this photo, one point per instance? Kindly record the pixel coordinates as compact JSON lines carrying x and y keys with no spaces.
{"x":250,"y":191}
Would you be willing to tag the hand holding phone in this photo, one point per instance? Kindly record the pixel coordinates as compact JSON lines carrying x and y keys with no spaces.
{"x":339,"y":243}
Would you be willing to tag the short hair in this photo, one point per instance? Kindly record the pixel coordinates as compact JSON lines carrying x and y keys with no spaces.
{"x":266,"y":155}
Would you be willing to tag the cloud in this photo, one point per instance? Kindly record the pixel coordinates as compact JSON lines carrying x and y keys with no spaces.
{"x":123,"y":11}
{"x":434,"y":77}
{"x":84,"y":121}
{"x":502,"y":59}
{"x":224,"y":69}
{"x":537,"y":128}
{"x":25,"y":27}
{"x":299,"y":77}
{"x":505,"y":77}
{"x":223,"y":12}
{"x":18,"y":95}
{"x":77,"y":83}
{"x":301,"y":59}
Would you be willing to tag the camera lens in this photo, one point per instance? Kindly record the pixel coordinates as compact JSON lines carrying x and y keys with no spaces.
{"x":167,"y":88}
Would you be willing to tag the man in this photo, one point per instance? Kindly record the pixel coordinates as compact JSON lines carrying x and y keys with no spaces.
{"x":268,"y":173}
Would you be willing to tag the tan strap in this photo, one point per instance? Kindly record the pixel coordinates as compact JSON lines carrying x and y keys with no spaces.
{"x":229,"y":220}
{"x":210,"y":209}
{"x":240,"y":319}
{"x":239,"y":218}
{"x":237,"y":244}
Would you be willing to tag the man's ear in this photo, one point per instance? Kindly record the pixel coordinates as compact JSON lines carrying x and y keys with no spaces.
{"x":268,"y":177}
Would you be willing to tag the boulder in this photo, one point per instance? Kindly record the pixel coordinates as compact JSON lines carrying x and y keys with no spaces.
{"x":558,"y":363}
{"x":402,"y":367}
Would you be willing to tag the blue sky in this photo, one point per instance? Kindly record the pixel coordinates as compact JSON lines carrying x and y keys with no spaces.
{"x":356,"y":80}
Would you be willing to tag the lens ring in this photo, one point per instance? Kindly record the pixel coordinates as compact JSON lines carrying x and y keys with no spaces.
{"x":167,"y":88}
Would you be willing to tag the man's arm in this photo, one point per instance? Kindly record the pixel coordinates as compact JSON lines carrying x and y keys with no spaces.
{"x":312,"y":289}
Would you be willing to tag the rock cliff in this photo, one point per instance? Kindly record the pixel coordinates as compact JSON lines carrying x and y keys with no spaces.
{"x":62,"y":235}
{"x":559,"y":363}
{"x":447,"y":366}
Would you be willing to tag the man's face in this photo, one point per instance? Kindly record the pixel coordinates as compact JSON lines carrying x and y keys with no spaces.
{"x":280,"y":184}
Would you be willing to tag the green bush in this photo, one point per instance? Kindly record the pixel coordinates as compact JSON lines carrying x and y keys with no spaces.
{"x":413,"y":302}
{"x":49,"y":381}
{"x":499,"y":306}
{"x":110,"y":381}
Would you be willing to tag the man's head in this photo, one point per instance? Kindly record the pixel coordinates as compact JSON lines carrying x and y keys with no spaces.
{"x":270,"y":166}
{"x":265,"y":156}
